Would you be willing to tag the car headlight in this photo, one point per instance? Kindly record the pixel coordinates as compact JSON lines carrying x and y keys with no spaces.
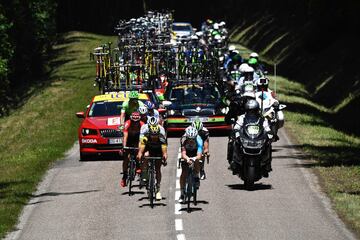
{"x":88,"y":131}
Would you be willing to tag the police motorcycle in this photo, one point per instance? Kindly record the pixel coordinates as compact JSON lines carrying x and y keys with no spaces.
{"x":249,"y":152}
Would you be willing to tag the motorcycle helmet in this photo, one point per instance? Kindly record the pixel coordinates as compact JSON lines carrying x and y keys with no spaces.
{"x":252,"y":106}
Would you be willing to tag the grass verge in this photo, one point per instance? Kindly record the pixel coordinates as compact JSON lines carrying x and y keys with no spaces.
{"x":39,"y":132}
{"x":335,"y":155}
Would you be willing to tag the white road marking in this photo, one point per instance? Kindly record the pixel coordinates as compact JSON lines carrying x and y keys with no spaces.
{"x":178,"y":225}
{"x":181,"y":237}
{"x":177,"y":208}
{"x":177,"y":183}
{"x":178,"y":172}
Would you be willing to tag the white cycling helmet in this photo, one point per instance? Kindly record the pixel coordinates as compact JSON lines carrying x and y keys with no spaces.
{"x":216,"y":26}
{"x":194,"y":37}
{"x":143,"y":110}
{"x":153,"y":120}
{"x":191,"y":132}
{"x":232,"y":48}
{"x":254,"y":55}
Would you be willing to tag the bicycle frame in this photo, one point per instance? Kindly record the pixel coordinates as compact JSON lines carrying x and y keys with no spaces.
{"x":151,"y":180}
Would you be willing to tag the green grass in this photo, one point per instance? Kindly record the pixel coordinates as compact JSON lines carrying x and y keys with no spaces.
{"x":335,"y":155}
{"x":39,"y":132}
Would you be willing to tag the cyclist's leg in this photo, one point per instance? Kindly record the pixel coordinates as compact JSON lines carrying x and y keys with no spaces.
{"x":125,"y":169}
{"x":184,"y":173}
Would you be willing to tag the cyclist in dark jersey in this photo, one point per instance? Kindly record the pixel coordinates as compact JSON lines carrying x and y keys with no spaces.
{"x":205,"y":136}
{"x":131,"y":139}
{"x":153,"y":144}
{"x":191,"y":146}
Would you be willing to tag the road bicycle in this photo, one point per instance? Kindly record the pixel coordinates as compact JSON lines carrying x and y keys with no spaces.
{"x":191,"y":184}
{"x":151,"y":186}
{"x":132,"y":166}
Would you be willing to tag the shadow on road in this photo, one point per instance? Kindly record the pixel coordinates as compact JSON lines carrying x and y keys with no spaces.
{"x":133,"y":193}
{"x":192,"y":209}
{"x":54,"y":194}
{"x":155,"y":204}
{"x":257,"y":186}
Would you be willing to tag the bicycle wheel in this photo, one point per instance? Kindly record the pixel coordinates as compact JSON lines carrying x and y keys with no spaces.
{"x":189,"y":186}
{"x":151,"y":187}
{"x":131,"y":175}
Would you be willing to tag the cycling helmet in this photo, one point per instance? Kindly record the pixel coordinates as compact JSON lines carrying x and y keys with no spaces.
{"x":216,"y":26}
{"x":252,"y":61}
{"x":150,"y":105}
{"x":154,"y":129}
{"x":143,"y":110}
{"x":153,"y":120}
{"x":248,"y":69}
{"x":254,"y":55}
{"x":197,"y":124}
{"x":191,"y":132}
{"x":133,"y":95}
{"x":135,"y":116}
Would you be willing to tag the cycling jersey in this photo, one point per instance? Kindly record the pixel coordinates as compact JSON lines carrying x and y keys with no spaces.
{"x":153,"y":143}
{"x":127,"y":110}
{"x":133,"y":131}
{"x":192,"y":147}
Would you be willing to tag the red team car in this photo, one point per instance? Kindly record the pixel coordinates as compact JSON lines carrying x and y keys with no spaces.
{"x":99,"y":131}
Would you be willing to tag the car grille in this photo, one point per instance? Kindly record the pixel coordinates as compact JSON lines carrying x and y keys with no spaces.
{"x":100,"y":147}
{"x":110,"y":133}
{"x":202,"y":112}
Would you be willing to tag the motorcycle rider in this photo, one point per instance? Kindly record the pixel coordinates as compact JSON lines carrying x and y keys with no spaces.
{"x":252,"y":115}
{"x":265,"y":94}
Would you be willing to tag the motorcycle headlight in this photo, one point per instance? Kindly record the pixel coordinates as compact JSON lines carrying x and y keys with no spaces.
{"x":88,"y":131}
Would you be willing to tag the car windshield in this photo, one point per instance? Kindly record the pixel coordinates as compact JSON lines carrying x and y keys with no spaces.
{"x":99,"y":109}
{"x":195,"y":94}
{"x":186,"y":28}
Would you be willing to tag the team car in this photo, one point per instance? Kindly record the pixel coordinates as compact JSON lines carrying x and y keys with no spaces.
{"x":181,"y":31}
{"x":99,"y":131}
{"x":185,"y":102}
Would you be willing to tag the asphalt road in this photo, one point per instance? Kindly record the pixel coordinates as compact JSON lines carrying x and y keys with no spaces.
{"x":83,"y":200}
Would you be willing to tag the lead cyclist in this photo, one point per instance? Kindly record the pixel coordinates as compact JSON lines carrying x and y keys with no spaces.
{"x":203,"y":132}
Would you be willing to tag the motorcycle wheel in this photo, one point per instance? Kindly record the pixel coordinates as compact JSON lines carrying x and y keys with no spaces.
{"x":250,"y":178}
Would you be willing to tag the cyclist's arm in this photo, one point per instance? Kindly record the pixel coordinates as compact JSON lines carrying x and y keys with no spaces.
{"x":126,"y":133}
{"x":142,"y":144}
{"x":125,"y":105}
{"x":200,"y":149}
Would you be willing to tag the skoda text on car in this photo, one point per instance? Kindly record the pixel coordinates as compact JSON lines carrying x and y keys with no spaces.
{"x":189,"y":101}
{"x":99,"y":131}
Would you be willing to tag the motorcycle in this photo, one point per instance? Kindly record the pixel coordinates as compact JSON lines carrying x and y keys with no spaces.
{"x":252,"y":152}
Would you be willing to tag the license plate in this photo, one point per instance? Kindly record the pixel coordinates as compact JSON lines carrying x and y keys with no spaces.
{"x":115,"y":141}
{"x":203,"y":119}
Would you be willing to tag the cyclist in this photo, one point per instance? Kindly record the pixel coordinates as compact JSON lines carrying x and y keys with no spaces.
{"x":152,"y":112}
{"x":131,"y":139}
{"x":130,"y":106}
{"x":143,"y":110}
{"x":153,"y":143}
{"x":205,"y":136}
{"x":191,"y":146}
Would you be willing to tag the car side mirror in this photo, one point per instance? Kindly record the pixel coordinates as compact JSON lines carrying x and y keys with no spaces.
{"x":80,"y":114}
{"x":166,"y":103}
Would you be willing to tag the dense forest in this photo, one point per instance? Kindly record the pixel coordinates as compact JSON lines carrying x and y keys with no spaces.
{"x":313,"y":41}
